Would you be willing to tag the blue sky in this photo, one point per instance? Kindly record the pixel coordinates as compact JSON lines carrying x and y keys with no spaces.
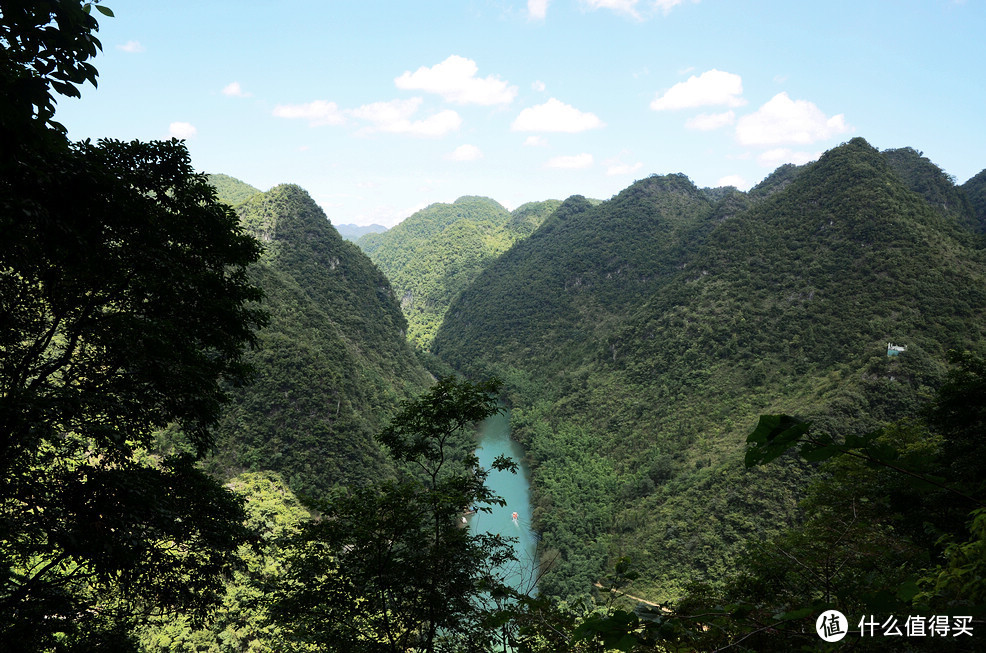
{"x":380,"y":108}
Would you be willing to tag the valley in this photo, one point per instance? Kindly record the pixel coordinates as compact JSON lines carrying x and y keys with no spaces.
{"x":311,"y":403}
{"x":639,"y":339}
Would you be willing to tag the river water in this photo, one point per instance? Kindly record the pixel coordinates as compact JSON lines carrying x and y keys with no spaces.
{"x":494,"y":440}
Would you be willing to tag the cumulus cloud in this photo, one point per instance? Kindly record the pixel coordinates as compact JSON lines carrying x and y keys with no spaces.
{"x":316,"y":113}
{"x":182,"y":130}
{"x":575,"y":161}
{"x":395,"y":117}
{"x":538,"y":86}
{"x":234,"y":89}
{"x":777,"y":156}
{"x":785,"y":121}
{"x":455,"y":80}
{"x":734,"y":180}
{"x":537,"y":9}
{"x":620,"y":6}
{"x":629,"y":7}
{"x":465,"y":153}
{"x":555,"y":116}
{"x":710,"y":121}
{"x":711,"y":88}
{"x":618,"y":168}
{"x":666,"y":5}
{"x":132,"y":47}
{"x":535,"y":141}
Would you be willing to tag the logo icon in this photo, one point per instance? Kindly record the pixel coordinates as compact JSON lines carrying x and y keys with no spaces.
{"x":832,"y":625}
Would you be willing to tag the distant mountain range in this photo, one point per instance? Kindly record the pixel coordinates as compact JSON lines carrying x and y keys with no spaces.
{"x":436,"y":253}
{"x":642,"y":338}
{"x":639,"y":340}
{"x":355,"y":231}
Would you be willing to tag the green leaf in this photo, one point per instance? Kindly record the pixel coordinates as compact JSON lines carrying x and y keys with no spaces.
{"x":908,"y":590}
{"x":106,"y":11}
{"x":818,"y":454}
{"x":774,"y":435}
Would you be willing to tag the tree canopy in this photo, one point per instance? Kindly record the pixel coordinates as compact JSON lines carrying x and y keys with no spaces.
{"x":124,"y":308}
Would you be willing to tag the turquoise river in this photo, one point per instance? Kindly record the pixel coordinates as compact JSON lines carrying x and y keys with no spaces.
{"x":494,"y":440}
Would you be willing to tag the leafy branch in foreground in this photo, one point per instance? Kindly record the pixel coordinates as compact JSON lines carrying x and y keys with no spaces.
{"x":390,"y":567}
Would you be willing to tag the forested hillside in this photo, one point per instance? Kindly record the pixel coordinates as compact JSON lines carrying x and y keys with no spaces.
{"x":331,"y":365}
{"x":216,"y":436}
{"x":975,"y":192}
{"x":231,"y":190}
{"x":643,"y":337}
{"x":434,"y":254}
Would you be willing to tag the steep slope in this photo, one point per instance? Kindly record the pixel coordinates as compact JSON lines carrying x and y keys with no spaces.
{"x":435,"y":253}
{"x":923,"y":177}
{"x":668,"y":332}
{"x":975,"y":192}
{"x":331,"y":364}
{"x":557,"y":292}
{"x":526,"y":218}
{"x":231,"y":190}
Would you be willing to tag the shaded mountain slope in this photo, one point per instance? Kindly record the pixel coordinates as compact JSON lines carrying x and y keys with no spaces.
{"x":557,"y":291}
{"x":332,"y":363}
{"x":975,"y":192}
{"x":673,"y":322}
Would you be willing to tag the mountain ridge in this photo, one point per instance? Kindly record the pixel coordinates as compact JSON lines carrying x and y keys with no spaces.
{"x":331,"y":365}
{"x":659,"y":353}
{"x":435,"y":253}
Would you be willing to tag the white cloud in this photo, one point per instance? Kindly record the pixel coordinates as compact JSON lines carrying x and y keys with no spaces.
{"x":182,"y":130}
{"x":538,"y":86}
{"x":666,"y":5}
{"x":555,"y":116}
{"x":783,"y":120}
{"x":234,"y":89}
{"x":132,"y":47}
{"x":620,"y":6}
{"x":395,"y":117}
{"x":575,"y":161}
{"x":537,"y":9}
{"x":775,"y":157}
{"x":535,"y":141}
{"x":455,"y":80}
{"x":711,"y":88}
{"x":316,"y":113}
{"x":709,"y":121}
{"x":734,"y":180}
{"x":623,"y":168}
{"x":465,"y":153}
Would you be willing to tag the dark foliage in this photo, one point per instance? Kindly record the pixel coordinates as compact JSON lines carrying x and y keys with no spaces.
{"x":331,"y":365}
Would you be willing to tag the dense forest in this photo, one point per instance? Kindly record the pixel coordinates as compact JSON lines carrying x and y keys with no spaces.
{"x":225,"y":427}
{"x":656,"y":327}
{"x":435,"y":254}
{"x":332,"y":362}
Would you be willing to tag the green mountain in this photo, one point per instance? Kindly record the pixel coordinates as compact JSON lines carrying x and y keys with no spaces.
{"x":231,"y":190}
{"x":354,"y":232}
{"x":434,"y":254}
{"x":332,"y":363}
{"x":931,"y":182}
{"x":975,"y":192}
{"x":643,"y":337}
